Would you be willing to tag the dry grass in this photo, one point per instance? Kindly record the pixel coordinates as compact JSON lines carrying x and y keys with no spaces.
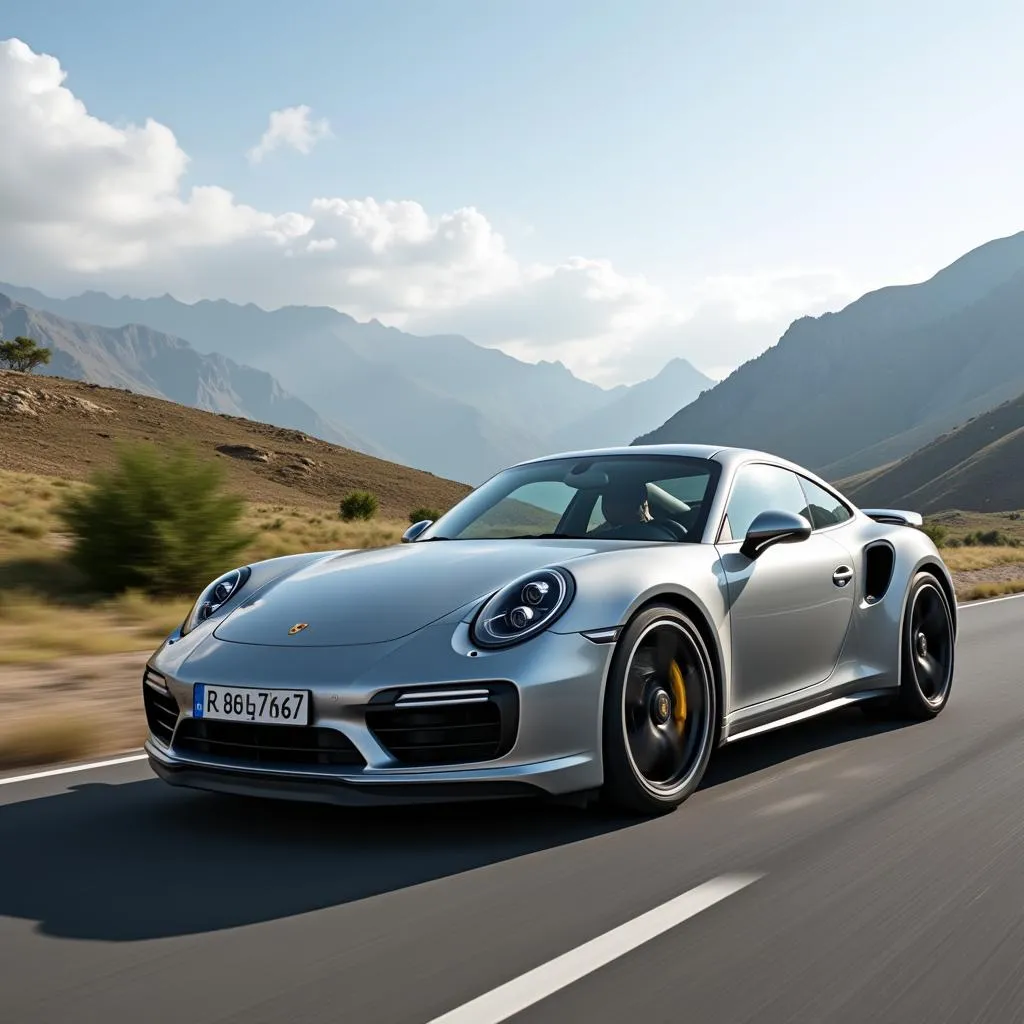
{"x":281,"y":531}
{"x":78,"y":707}
{"x":980,"y":591}
{"x":960,"y":522}
{"x":966,"y":559}
{"x":47,"y":739}
{"x":33,"y":631}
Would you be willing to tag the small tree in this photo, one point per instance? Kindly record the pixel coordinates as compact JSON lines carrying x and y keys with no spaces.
{"x":358,"y":505}
{"x":417,"y":515}
{"x":23,"y":354}
{"x":156,"y":522}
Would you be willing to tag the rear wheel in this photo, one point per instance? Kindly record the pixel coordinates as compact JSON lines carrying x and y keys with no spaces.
{"x":659,"y":713}
{"x":927,"y":651}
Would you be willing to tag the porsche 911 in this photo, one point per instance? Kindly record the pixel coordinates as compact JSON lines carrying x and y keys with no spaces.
{"x":587,"y":626}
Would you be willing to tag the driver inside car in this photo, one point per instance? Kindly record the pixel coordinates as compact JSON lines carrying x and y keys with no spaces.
{"x":623,"y":506}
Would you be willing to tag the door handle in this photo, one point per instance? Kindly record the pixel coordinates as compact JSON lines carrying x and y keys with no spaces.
{"x":842,"y":576}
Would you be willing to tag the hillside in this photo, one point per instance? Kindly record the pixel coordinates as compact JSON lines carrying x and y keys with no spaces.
{"x":849,"y":391}
{"x":977,"y":467}
{"x":154,"y":363}
{"x":440,"y":403}
{"x":63,"y":428}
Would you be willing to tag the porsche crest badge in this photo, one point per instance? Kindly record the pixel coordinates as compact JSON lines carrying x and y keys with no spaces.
{"x":297,"y":628}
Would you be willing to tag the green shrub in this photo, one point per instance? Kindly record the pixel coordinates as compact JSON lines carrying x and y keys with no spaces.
{"x":938,"y":534}
{"x":156,"y":522}
{"x":417,"y":515}
{"x":358,"y":505}
{"x":991,"y":538}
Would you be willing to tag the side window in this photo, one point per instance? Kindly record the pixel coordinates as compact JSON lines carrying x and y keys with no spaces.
{"x":823,"y":509}
{"x":758,"y":489}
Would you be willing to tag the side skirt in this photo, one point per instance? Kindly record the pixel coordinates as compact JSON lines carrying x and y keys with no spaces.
{"x":793,"y":718}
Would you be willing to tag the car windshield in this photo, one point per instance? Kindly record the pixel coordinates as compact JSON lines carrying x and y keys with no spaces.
{"x":615,"y":497}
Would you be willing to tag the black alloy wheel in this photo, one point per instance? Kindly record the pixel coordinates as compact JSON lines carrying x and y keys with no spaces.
{"x":660,"y":713}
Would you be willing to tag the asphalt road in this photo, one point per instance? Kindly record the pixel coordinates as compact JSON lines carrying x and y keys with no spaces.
{"x":865,"y":874}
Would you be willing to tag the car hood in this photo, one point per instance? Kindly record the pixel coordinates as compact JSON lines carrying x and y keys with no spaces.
{"x":375,"y":596}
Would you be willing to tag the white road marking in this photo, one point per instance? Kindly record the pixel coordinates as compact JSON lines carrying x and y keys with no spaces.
{"x":501,"y":1003}
{"x":988,"y":600}
{"x":73,"y":768}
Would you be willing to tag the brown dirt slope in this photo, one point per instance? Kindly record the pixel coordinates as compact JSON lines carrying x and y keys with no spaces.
{"x":62,"y":428}
{"x":977,"y":467}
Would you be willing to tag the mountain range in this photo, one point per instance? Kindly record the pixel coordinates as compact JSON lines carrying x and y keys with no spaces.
{"x":439,"y":403}
{"x":148,"y":362}
{"x":910,"y":395}
{"x":975,"y":467}
{"x":850,"y":391}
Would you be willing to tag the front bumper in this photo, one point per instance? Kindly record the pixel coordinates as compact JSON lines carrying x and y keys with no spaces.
{"x":557,"y":681}
{"x":361,"y":789}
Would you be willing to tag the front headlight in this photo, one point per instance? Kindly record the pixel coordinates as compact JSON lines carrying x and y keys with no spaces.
{"x":523,"y":608}
{"x":214,"y":597}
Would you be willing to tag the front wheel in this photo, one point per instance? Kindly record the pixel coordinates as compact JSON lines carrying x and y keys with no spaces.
{"x":659,"y":713}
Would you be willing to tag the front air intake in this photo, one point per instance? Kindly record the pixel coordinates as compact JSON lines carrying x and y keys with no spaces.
{"x":250,"y":744}
{"x":445,"y":725}
{"x":160,"y":706}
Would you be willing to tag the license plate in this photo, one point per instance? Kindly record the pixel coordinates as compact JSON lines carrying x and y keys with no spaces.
{"x":245,"y":704}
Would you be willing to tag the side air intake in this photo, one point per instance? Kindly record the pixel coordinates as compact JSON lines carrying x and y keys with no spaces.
{"x":879,"y":561}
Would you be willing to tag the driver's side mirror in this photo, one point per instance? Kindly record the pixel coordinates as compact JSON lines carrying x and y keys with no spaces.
{"x":774,"y":527}
{"x":415,"y":530}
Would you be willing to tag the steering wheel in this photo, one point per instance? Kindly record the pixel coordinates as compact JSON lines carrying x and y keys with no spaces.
{"x":677,"y":530}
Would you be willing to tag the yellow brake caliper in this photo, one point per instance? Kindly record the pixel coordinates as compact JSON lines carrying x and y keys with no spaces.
{"x":675,"y":676}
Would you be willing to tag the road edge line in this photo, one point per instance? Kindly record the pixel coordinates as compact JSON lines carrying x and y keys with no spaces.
{"x":67,"y":770}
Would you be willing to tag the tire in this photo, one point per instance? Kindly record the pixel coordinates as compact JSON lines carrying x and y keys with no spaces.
{"x":926,"y":667}
{"x":659,"y":725}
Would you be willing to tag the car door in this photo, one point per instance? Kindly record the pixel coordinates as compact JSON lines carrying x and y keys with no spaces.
{"x":790,"y":608}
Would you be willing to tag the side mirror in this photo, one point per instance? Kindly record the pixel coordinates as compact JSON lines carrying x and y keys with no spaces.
{"x":415,"y":530}
{"x":774,"y":527}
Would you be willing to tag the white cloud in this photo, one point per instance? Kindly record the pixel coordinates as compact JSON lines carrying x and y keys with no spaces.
{"x":293,"y":127}
{"x":86,"y":204}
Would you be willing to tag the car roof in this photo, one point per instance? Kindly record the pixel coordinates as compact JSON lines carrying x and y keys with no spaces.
{"x":720,"y":453}
{"x":728,"y":457}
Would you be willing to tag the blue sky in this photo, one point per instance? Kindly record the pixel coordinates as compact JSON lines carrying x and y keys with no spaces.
{"x":704,"y":146}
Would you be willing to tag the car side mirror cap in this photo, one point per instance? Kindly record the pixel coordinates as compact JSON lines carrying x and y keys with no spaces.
{"x":415,"y":530}
{"x":774,"y":527}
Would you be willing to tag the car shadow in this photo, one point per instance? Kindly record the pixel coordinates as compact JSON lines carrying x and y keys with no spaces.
{"x":769,"y":750}
{"x":140,"y":860}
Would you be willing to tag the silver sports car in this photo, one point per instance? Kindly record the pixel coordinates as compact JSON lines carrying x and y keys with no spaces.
{"x":586,"y":625}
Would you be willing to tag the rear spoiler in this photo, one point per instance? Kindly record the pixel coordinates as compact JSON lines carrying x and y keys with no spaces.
{"x":894,"y":516}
